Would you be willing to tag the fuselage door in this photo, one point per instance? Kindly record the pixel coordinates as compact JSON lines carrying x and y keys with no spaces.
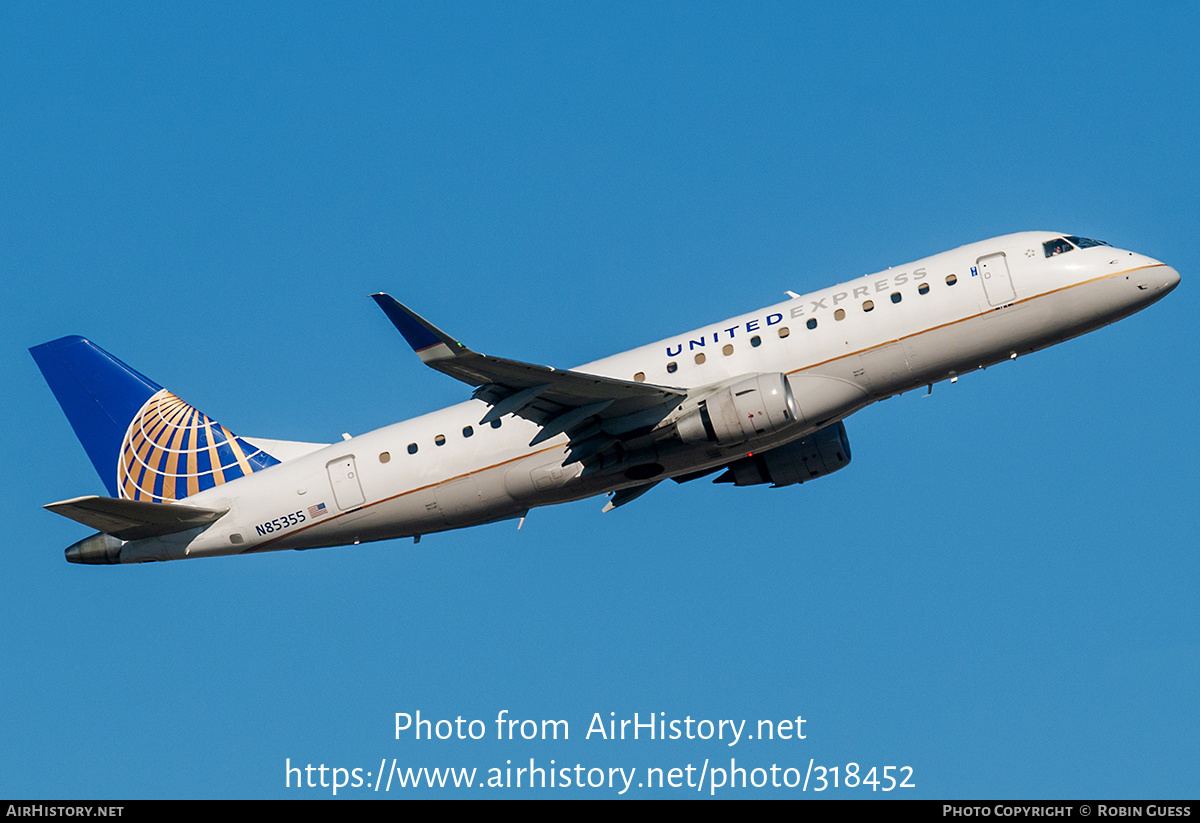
{"x":997,"y":282}
{"x":343,"y":477}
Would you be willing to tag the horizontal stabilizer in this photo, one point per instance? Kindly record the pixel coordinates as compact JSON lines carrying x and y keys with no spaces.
{"x":134,"y":519}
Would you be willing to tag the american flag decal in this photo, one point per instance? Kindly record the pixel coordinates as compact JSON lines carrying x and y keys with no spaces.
{"x":318,"y":510}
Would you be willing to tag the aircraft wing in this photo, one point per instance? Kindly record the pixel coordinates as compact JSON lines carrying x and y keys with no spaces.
{"x":594,"y":412}
{"x":134,"y":519}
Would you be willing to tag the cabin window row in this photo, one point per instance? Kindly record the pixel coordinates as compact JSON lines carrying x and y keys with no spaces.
{"x":438,"y":440}
{"x":811,"y":323}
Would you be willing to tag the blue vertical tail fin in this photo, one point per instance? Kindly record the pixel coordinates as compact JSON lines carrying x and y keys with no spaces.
{"x":145,"y":443}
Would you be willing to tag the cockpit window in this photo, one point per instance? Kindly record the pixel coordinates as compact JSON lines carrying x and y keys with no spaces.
{"x":1085,"y":242}
{"x":1062,"y":245}
{"x":1057,"y":246}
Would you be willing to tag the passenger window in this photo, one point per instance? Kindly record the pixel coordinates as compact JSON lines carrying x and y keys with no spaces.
{"x":496,"y":424}
{"x":812,"y":323}
{"x":783,"y":331}
{"x":840,"y":314}
{"x":951,"y":279}
{"x":728,"y":350}
{"x":468,"y":431}
{"x":896,"y":297}
{"x":756,"y":341}
{"x":671,"y":367}
{"x":440,"y":440}
{"x":384,"y":457}
{"x":640,"y":377}
{"x":412,"y":448}
{"x":923,"y":288}
{"x":700,"y":358}
{"x":868,"y":305}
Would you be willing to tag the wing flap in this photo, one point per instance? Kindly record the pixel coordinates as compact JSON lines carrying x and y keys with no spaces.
{"x":134,"y":519}
{"x":628,"y":495}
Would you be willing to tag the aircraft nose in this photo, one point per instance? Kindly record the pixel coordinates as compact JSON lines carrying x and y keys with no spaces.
{"x":1156,"y":280}
{"x":1168,"y":279}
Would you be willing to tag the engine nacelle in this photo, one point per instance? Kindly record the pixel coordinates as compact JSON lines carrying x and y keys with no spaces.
{"x":752,"y":407}
{"x":821,"y":453}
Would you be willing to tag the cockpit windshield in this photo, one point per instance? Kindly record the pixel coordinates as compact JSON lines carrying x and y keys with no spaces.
{"x":1085,"y":242}
{"x":1062,"y":245}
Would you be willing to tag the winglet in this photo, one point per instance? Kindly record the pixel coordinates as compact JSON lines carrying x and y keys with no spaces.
{"x":427,"y":340}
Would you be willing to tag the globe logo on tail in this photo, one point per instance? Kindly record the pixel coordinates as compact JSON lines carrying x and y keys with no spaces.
{"x":172,"y":450}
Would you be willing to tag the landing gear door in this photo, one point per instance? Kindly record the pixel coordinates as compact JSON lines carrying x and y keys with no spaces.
{"x":343,"y":477}
{"x":997,"y":283}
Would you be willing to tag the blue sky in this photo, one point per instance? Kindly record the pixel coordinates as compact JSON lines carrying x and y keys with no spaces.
{"x":999,"y":591}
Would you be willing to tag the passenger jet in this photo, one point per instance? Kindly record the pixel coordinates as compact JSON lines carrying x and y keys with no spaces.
{"x":759,"y":398}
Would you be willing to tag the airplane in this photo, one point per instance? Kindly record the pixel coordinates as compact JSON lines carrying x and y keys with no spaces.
{"x":760,"y":397}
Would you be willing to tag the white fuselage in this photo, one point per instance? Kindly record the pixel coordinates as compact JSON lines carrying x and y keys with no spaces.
{"x":841,"y":348}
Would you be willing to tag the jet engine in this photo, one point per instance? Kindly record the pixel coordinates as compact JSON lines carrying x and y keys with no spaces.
{"x":754,"y":406}
{"x":820,"y":453}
